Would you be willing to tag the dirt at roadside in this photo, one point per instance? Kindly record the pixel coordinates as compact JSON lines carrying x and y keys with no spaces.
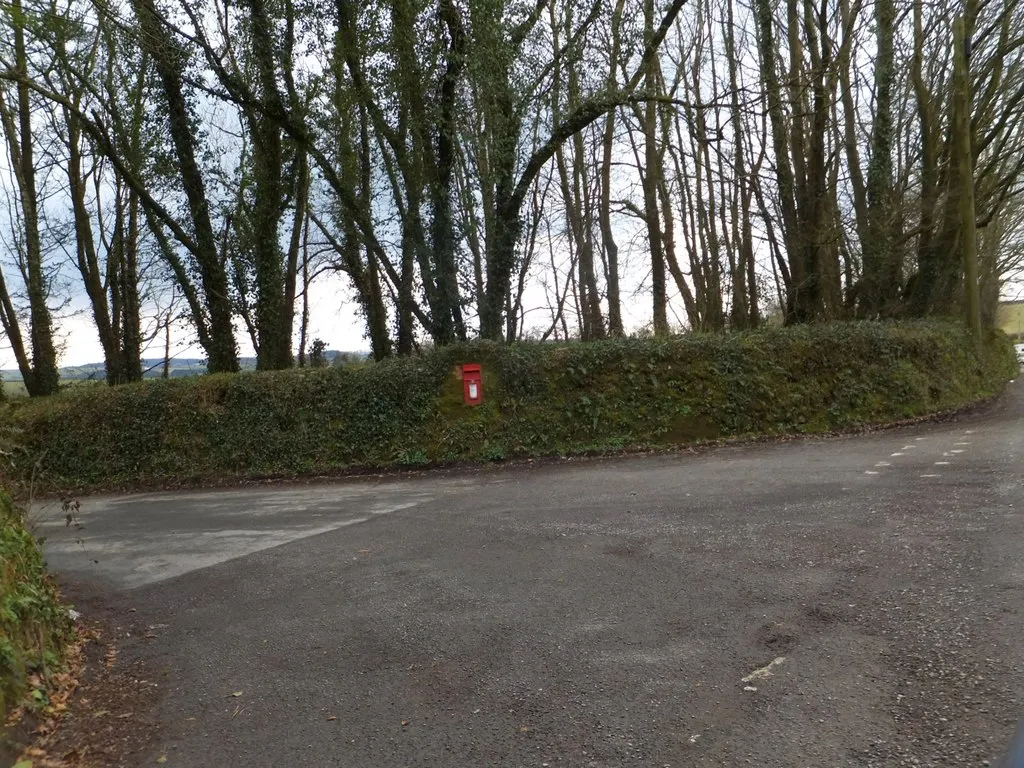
{"x":108,"y":721}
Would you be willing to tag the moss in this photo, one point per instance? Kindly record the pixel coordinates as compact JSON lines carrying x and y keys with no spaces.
{"x":539,"y":400}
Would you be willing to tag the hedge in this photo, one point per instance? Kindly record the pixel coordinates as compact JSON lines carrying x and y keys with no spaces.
{"x":34,"y":627}
{"x":540,"y":400}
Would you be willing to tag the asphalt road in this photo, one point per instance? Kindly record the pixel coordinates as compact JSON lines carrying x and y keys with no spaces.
{"x":852,"y":601}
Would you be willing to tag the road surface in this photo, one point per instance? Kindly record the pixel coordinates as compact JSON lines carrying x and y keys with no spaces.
{"x":851,"y":601}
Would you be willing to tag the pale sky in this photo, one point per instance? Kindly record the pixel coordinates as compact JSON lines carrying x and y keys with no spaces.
{"x":333,"y":318}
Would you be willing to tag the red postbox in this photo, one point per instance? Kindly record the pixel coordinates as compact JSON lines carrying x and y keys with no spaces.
{"x":472,"y":384}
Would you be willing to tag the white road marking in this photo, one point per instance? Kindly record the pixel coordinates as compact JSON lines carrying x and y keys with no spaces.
{"x":968,"y":431}
{"x":966,"y":443}
{"x":907,"y":447}
{"x":957,"y":450}
{"x":884,"y":464}
{"x":941,"y":463}
{"x":870,"y":472}
{"x":931,"y":475}
{"x":920,"y":438}
{"x":898,"y":453}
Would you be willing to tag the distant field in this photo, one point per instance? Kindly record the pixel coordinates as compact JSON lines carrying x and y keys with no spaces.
{"x":14,"y":387}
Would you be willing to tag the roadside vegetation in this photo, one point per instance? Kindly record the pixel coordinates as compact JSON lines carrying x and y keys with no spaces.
{"x":34,"y":627}
{"x":539,"y":400}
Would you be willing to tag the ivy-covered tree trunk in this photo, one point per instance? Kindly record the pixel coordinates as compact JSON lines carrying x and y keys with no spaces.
{"x":451,"y":321}
{"x":274,"y":315}
{"x":128,"y":309}
{"x":882,"y":268}
{"x":160,"y":45}
{"x":503,"y":237}
{"x":40,"y":371}
{"x":962,"y":140}
{"x":652,"y":180}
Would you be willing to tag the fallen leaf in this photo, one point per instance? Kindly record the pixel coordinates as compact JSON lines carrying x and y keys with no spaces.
{"x":405,"y":722}
{"x":162,"y":759}
{"x":101,"y":713}
{"x":236,"y":694}
{"x":332,"y":717}
{"x":23,"y":764}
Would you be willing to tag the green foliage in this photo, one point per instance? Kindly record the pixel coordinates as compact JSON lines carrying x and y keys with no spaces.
{"x":317,"y":354}
{"x":539,"y":399}
{"x":34,"y":627}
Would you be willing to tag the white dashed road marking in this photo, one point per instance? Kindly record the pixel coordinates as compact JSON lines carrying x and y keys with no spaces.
{"x":901,"y":452}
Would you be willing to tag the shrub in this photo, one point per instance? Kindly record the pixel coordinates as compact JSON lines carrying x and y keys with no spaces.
{"x":539,"y":399}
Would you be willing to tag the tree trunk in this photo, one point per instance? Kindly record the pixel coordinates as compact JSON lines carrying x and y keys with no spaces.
{"x":744,"y":307}
{"x":510,"y":192}
{"x":131,"y":325}
{"x":273,"y":316}
{"x":651,"y":182}
{"x":88,"y":261}
{"x":765,"y":21}
{"x":40,"y":374}
{"x":882,"y":280}
{"x":921,"y":298}
{"x":442,"y":225}
{"x":162,"y":48}
{"x":965,"y":176}
{"x":611,"y":248}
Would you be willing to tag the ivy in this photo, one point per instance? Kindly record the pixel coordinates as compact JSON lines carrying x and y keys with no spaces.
{"x":34,"y":626}
{"x":539,"y":399}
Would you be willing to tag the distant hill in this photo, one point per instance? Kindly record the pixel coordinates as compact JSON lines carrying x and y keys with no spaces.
{"x":153,"y":368}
